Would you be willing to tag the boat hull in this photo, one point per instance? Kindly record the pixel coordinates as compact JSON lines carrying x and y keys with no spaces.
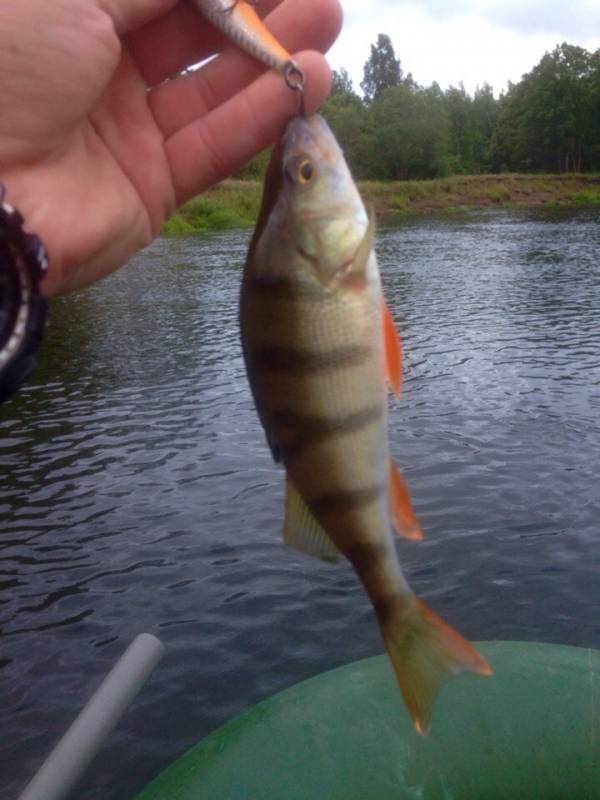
{"x":532,"y":730}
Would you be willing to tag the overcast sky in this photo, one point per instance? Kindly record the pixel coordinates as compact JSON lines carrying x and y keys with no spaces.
{"x":473,"y":41}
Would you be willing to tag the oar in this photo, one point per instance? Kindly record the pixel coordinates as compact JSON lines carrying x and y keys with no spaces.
{"x":71,"y":756}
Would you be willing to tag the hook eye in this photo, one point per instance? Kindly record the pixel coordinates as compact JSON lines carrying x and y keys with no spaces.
{"x":294,"y":76}
{"x":295,"y":79}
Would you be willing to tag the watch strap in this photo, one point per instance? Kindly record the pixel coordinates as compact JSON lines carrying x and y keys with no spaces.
{"x":28,"y":259}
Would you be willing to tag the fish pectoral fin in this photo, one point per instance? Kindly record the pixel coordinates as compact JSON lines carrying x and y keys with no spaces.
{"x":404,"y":521}
{"x":393,"y":351}
{"x":360,"y":261}
{"x":302,"y":531}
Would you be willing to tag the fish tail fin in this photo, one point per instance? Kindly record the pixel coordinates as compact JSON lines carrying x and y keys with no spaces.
{"x":425,"y":651}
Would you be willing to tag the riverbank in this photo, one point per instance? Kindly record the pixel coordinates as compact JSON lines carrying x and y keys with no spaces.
{"x":235,"y":203}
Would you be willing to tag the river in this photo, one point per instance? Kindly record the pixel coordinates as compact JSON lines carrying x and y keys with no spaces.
{"x":137,"y":492}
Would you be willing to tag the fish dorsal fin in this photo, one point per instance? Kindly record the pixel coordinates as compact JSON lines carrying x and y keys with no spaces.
{"x":302,"y":531}
{"x":393,"y":351}
{"x":404,"y":521}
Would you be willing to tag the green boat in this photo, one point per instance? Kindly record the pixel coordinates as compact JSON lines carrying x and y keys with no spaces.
{"x":532,"y":731}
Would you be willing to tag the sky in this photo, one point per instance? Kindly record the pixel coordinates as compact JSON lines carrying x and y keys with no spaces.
{"x":472,"y":41}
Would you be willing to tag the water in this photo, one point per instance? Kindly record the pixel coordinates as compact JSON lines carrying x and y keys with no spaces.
{"x":137,"y":492}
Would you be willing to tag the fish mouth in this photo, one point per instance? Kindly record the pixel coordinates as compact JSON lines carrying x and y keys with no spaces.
{"x":312,"y":136}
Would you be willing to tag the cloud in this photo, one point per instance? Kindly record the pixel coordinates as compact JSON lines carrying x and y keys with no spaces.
{"x":571,"y":17}
{"x":466,"y":40}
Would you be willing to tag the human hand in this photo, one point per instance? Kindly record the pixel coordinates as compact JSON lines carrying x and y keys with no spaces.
{"x":97,"y":148}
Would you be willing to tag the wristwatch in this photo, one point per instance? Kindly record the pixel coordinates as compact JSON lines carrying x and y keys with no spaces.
{"x":23,"y":263}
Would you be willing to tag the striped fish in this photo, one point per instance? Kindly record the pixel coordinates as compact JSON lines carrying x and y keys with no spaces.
{"x":319,"y":343}
{"x":240,"y":23}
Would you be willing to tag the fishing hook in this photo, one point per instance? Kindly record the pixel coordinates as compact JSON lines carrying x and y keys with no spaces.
{"x":295,"y":80}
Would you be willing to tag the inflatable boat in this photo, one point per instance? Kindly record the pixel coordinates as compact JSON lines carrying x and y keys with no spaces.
{"x":531,"y":731}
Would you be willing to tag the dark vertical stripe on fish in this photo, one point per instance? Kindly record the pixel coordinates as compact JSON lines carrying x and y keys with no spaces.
{"x":308,"y":362}
{"x":284,"y":288}
{"x":296,"y":431}
{"x":344,"y":501}
{"x":365,"y":556}
{"x":389,"y":607}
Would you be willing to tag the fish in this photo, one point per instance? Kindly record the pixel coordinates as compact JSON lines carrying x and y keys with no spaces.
{"x":320,"y":347}
{"x":240,"y":23}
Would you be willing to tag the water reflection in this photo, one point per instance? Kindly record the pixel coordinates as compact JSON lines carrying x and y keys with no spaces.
{"x":137,"y":492}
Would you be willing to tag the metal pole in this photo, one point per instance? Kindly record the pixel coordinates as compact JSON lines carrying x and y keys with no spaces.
{"x":71,"y":756}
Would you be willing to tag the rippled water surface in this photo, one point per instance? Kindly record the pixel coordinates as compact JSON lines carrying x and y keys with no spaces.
{"x":137,"y":492}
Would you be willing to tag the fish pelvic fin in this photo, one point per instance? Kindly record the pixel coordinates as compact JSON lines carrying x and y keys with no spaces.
{"x":425,"y":652}
{"x":403,"y":517}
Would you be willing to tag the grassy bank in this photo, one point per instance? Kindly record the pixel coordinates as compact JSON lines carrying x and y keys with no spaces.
{"x":235,"y":203}
{"x":231,"y":204}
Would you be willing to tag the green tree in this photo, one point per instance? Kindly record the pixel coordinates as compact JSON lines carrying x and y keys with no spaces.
{"x":484,"y":110}
{"x":458,"y":107}
{"x":509,"y":145}
{"x":548,"y":121}
{"x":382,"y":69}
{"x":593,"y":85}
{"x":345,"y":112}
{"x":341,"y":82}
{"x":410,"y":133}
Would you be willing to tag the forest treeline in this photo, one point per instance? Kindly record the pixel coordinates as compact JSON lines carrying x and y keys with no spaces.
{"x":547,"y":122}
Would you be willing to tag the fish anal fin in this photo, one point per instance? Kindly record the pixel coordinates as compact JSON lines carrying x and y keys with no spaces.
{"x":403,"y":517}
{"x":425,"y":651}
{"x":302,"y":531}
{"x":393,"y":351}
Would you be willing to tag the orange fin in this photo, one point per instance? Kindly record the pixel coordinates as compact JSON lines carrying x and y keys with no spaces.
{"x":393,"y":351}
{"x":403,"y":517}
{"x":425,"y":651}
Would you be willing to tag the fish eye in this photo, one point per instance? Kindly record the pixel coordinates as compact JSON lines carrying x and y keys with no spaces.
{"x":300,"y":170}
{"x":305,"y":171}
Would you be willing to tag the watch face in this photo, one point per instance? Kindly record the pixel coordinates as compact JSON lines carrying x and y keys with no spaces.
{"x":10,"y":294}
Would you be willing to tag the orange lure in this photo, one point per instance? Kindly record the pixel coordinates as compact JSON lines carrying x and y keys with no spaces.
{"x":240,"y":23}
